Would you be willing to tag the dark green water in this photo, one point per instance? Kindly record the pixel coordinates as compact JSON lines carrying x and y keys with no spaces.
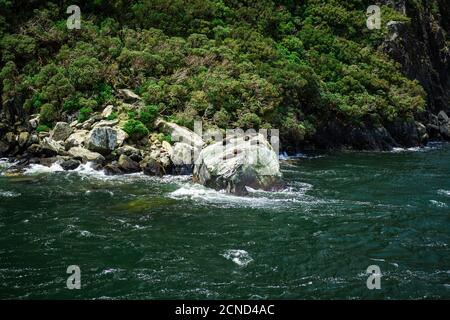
{"x":137,"y":237}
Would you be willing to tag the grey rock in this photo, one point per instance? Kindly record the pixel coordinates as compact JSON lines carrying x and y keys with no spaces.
{"x":61,"y":131}
{"x":102,"y":139}
{"x":128,"y":165}
{"x":85,"y":154}
{"x":242,"y":162}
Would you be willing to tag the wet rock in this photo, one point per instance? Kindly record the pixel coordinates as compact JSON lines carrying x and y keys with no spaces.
{"x":127,"y":165}
{"x":61,"y":131}
{"x":35,"y":150}
{"x":151,"y":167}
{"x":240,"y":162}
{"x":70,"y":164}
{"x":112,"y":169}
{"x":102,"y":140}
{"x":183,"y":158}
{"x":85,"y":154}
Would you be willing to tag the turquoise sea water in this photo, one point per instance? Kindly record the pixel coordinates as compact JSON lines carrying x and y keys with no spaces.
{"x":139,"y":237}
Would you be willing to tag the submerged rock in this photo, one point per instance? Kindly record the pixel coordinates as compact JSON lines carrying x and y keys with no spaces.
{"x":237,"y":163}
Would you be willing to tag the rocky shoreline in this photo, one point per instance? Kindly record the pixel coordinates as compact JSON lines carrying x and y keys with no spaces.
{"x":222,"y":164}
{"x":103,"y":143}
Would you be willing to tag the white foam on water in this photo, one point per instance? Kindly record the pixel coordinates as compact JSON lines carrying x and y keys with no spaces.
{"x":38,"y":168}
{"x":238,"y":256}
{"x":428,"y":147}
{"x":444,"y":192}
{"x":9,"y":194}
{"x":438,"y":204}
{"x":203,"y":194}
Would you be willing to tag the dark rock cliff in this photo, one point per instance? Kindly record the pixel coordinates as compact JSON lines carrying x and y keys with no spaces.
{"x":422,"y":47}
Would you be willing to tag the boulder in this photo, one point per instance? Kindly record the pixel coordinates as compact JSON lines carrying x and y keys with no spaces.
{"x":128,"y":95}
{"x":61,"y":131}
{"x":107,"y":111}
{"x":70,"y":164}
{"x":132,"y":152}
{"x":4,"y":147}
{"x":24,"y":138}
{"x":85,"y":154}
{"x":102,"y":140}
{"x":182,"y":158}
{"x":239,"y":162}
{"x":127,"y":165}
{"x":121,"y":136}
{"x":443,"y":117}
{"x":151,"y":167}
{"x":106,"y":123}
{"x":112,"y":169}
{"x":180,"y":134}
{"x":76,"y":139}
{"x":167,"y":147}
{"x":52,"y":145}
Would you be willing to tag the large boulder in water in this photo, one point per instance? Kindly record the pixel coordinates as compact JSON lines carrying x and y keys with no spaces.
{"x":239,"y":162}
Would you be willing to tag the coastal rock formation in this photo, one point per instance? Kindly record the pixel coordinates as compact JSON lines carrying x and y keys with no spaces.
{"x":239,"y":162}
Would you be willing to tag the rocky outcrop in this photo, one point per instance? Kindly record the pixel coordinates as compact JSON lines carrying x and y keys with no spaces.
{"x":421,"y":47}
{"x":239,"y":162}
{"x":440,"y":125}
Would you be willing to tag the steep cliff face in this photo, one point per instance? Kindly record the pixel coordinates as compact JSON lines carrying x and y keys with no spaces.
{"x":422,"y":47}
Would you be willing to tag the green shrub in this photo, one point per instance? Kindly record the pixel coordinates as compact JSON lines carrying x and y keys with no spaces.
{"x":135,"y":129}
{"x":112,"y":116}
{"x":42,"y":128}
{"x":148,"y":115}
{"x":84,"y":114}
{"x":48,"y":114}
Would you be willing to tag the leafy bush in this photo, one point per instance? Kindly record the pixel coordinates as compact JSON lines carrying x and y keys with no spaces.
{"x":48,"y":114}
{"x":84,"y":114}
{"x":42,"y":128}
{"x":148,"y":115}
{"x":135,"y":129}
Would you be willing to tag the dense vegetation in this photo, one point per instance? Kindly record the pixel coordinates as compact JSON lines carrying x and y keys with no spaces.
{"x":287,"y":64}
